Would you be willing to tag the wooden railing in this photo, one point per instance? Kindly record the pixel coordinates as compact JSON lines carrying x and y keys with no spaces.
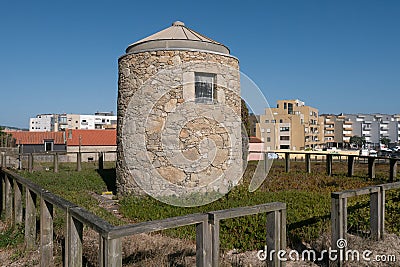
{"x":377,"y":211}
{"x":55,"y":155}
{"x":350,"y":162}
{"x":110,"y":237}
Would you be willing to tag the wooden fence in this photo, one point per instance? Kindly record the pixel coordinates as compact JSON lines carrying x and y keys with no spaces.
{"x":350,"y":163}
{"x":14,"y":187}
{"x":377,"y":212}
{"x":4,"y":158}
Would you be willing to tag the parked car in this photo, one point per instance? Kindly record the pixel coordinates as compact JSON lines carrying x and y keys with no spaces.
{"x":373,"y":153}
{"x":385,"y":153}
{"x":364,"y":152}
{"x":396,"y":155}
{"x":273,"y":156}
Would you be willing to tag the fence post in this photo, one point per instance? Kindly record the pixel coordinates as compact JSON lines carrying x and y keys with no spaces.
{"x":3,"y":193}
{"x":8,"y":199}
{"x":101,"y":160}
{"x":17,"y":202}
{"x":376,"y":212}
{"x":112,"y":252}
{"x":3,"y":160}
{"x":393,"y":169}
{"x":78,"y":161}
{"x":329,"y":164}
{"x":30,"y":162}
{"x":287,"y":161}
{"x":274,"y":242}
{"x":214,"y":239}
{"x":46,"y":233}
{"x":350,"y":166}
{"x":30,"y":219}
{"x":371,"y":167}
{"x":74,"y":236}
{"x":203,"y":244}
{"x":55,"y":161}
{"x":339,"y":222}
{"x":308,"y":163}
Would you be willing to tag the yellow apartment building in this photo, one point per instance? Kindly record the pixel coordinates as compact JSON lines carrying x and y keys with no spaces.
{"x":291,"y":125}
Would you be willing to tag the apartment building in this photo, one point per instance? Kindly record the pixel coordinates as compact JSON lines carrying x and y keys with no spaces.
{"x":374,"y":127}
{"x":337,"y":130}
{"x":62,"y":122}
{"x":291,"y":125}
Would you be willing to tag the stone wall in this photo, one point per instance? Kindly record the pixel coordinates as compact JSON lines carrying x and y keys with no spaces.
{"x":165,"y":139}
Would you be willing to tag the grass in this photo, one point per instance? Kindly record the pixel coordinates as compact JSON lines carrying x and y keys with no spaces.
{"x":307,"y":197}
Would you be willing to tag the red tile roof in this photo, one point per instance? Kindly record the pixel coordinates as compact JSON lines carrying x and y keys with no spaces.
{"x":253,"y":139}
{"x":91,"y":137}
{"x":37,"y":138}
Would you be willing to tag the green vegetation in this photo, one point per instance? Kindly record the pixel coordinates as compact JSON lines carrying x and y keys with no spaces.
{"x":12,"y":236}
{"x":307,"y":197}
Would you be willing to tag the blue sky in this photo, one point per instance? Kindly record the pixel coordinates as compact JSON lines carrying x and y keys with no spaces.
{"x":339,"y":56}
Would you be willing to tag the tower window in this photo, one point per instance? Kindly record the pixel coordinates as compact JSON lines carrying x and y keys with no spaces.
{"x":205,"y":87}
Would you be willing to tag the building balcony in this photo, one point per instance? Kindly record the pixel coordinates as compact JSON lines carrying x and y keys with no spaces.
{"x":348,"y":135}
{"x":329,"y":128}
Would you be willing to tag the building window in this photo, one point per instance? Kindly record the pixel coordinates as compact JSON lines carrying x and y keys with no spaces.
{"x":284,"y":129}
{"x":268,"y":130}
{"x":204,"y":87}
{"x":273,"y":121}
{"x":48,"y":145}
{"x":268,"y":139}
{"x":280,"y":121}
{"x":284,"y":138}
{"x":266,"y":121}
{"x":284,"y":105}
{"x":290,"y":108}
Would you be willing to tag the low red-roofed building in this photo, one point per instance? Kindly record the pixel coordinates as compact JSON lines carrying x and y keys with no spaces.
{"x":256,"y":149}
{"x":32,"y":142}
{"x":90,"y":142}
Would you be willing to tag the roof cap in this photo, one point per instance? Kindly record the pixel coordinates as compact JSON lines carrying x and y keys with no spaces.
{"x":177,"y":36}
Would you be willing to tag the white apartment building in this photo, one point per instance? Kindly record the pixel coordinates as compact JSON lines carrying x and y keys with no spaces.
{"x":42,"y":123}
{"x":62,"y":122}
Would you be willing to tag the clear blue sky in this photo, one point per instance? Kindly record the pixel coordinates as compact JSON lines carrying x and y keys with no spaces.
{"x":339,"y":56}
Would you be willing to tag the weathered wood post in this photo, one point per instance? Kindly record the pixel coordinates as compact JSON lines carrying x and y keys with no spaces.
{"x":30,"y":219}
{"x":8,"y":199}
{"x":276,"y":239}
{"x":3,"y":195}
{"x":110,"y":250}
{"x":287,"y":161}
{"x":350,"y":166}
{"x":46,"y":233}
{"x":308,"y":163}
{"x":30,"y":162}
{"x":55,"y":162}
{"x":393,"y":169}
{"x":17,"y":202}
{"x":75,"y":239}
{"x":101,"y":160}
{"x":3,"y":159}
{"x":339,"y":222}
{"x":329,"y":164}
{"x":214,"y":239}
{"x":377,"y":213}
{"x":371,"y":167}
{"x":203,"y":244}
{"x":79,"y":161}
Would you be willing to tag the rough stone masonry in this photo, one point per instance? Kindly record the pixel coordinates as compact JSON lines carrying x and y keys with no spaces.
{"x":169,"y":144}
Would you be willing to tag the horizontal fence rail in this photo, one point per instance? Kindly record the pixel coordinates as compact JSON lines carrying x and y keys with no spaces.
{"x":110,"y":237}
{"x":377,"y":212}
{"x":329,"y":158}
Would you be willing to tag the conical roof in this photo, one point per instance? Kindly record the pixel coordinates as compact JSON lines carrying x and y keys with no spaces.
{"x":177,"y":36}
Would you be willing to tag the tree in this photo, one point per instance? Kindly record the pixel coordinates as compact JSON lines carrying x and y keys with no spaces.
{"x":358,"y":141}
{"x":385,"y":141}
{"x":245,"y":117}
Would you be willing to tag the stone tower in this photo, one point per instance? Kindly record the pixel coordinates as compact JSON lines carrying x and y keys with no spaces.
{"x":179,"y":126}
